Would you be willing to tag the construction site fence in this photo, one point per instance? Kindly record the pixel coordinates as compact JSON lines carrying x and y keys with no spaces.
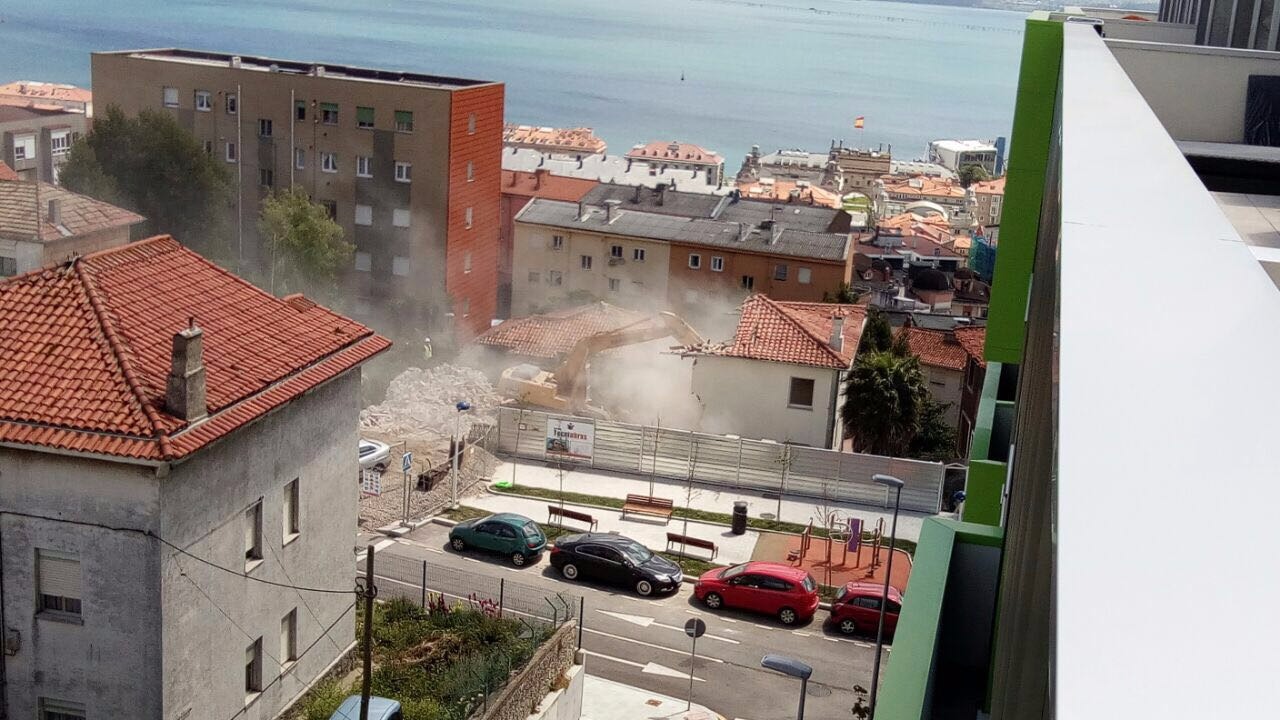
{"x":726,"y":461}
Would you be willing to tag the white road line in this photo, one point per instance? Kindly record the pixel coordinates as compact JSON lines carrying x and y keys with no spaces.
{"x":651,"y":668}
{"x":471,"y":559}
{"x":801,"y":633}
{"x":729,"y":620}
{"x":383,"y":544}
{"x":707,"y":635}
{"x":648,"y":644}
{"x":602,"y":656}
{"x":834,"y":640}
{"x":694,"y":612}
{"x":860,"y":644}
{"x":437,"y":551}
{"x":762,"y":627}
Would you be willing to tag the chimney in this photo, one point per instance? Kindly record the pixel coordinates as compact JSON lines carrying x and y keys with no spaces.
{"x":582,"y":210}
{"x":837,"y":334}
{"x":55,"y":212}
{"x":235,"y":62}
{"x":185,"y":395}
{"x":636,"y":198}
{"x":611,"y":212}
{"x":537,"y":177}
{"x":662,"y":193}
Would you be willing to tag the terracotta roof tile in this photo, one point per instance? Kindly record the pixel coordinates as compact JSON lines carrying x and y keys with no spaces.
{"x":792,"y":332}
{"x":81,"y":214}
{"x":580,"y":139}
{"x":85,"y":346}
{"x":973,"y":340}
{"x":542,"y":184}
{"x":554,"y":334}
{"x":949,"y":349}
{"x":7,"y":173}
{"x":685,"y":152}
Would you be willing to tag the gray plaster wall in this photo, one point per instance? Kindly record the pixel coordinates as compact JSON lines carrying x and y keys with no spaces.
{"x":110,"y":661}
{"x":212,"y":616}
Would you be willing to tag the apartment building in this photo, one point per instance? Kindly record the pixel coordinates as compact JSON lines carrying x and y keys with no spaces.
{"x":955,"y":154}
{"x":42,"y":224}
{"x":518,"y":188}
{"x":556,"y":142}
{"x":407,"y":163}
{"x":1096,"y":456}
{"x":988,"y":198}
{"x":699,"y":164}
{"x":893,"y":196}
{"x":842,"y":169}
{"x":35,"y":141}
{"x":177,"y":492}
{"x":33,"y":93}
{"x":860,"y":169}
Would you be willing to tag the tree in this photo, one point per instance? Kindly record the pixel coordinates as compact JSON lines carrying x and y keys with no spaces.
{"x":970,"y":174}
{"x":153,"y":166}
{"x":306,"y":246}
{"x":935,"y":439}
{"x":885,"y":398}
{"x":877,"y":334}
{"x":845,"y":295}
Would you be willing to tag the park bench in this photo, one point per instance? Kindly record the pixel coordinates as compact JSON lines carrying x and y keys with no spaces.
{"x":556,"y":510}
{"x":645,"y":505}
{"x":677,"y":539}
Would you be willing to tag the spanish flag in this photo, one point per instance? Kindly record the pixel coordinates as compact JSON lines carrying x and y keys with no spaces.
{"x":858,"y":121}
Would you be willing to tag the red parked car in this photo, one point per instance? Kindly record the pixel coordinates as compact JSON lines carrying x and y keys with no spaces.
{"x":856,"y":608}
{"x":764,"y":587}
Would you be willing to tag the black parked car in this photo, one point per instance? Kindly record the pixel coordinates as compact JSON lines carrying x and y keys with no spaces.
{"x":616,"y":560}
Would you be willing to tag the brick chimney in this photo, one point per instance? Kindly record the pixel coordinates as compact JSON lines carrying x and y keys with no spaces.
{"x":837,"y":334}
{"x":55,"y":212}
{"x":538,"y":175}
{"x":662,"y":193}
{"x":611,"y":211}
{"x":185,"y":394}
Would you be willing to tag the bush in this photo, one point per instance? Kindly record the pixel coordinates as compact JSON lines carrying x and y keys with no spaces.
{"x":422,"y":709}
{"x":323,"y":699}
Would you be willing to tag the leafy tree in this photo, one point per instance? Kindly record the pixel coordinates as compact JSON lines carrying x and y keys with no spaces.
{"x":970,"y":174}
{"x":877,"y":335}
{"x":884,"y":403}
{"x":307,"y":248}
{"x":845,"y":295}
{"x":935,"y":439}
{"x":153,"y":166}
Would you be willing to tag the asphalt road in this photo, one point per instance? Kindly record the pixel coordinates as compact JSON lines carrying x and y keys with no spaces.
{"x":641,"y":641}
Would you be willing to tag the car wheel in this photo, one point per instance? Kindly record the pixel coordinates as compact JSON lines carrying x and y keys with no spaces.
{"x":713,"y":601}
{"x":458,"y":544}
{"x":569,"y":571}
{"x":788,"y":616}
{"x":518,"y":559}
{"x":848,"y":627}
{"x":644,"y":588}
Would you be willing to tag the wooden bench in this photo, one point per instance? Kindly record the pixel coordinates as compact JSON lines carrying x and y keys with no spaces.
{"x":677,"y":539}
{"x":645,"y":505}
{"x":556,"y":510}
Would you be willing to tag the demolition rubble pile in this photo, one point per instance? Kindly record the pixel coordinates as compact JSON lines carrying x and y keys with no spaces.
{"x":422,"y":404}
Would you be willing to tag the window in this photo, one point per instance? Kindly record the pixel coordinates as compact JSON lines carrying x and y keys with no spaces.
{"x":555,"y":278}
{"x":585,"y":261}
{"x":233,"y":105}
{"x":204,"y":101}
{"x":8,"y":266}
{"x":171,"y":97}
{"x":801,"y":393}
{"x":471,"y":124}
{"x":58,"y":575}
{"x":300,"y":110}
{"x":615,"y":284}
{"x":804,"y":275}
{"x":363,"y":166}
{"x":330,"y":208}
{"x":400,"y":265}
{"x":253,"y":668}
{"x":231,"y":152}
{"x":470,"y":216}
{"x":615,"y":251}
{"x":557,"y":242}
{"x":364,"y":261}
{"x":264,"y":127}
{"x":364,"y":214}
{"x":329,"y":113}
{"x":329,"y":162}
{"x":300,"y":158}
{"x":780,"y":272}
{"x":770,"y":583}
{"x":695,"y":261}
{"x":404,"y":121}
{"x":471,"y":171}
{"x":748,"y":282}
{"x":266,"y":177}
{"x":466,"y":262}
{"x":400,"y":218}
{"x":290,"y":513}
{"x":638,"y":254}
{"x":364,"y":117}
{"x":60,"y":710}
{"x":717,"y":263}
{"x":535,"y":277}
{"x":208,"y":147}
{"x":404,"y":172}
{"x":24,"y":147}
{"x":466,"y":308}
{"x":289,"y":637}
{"x":253,"y":534}
{"x":60,"y":142}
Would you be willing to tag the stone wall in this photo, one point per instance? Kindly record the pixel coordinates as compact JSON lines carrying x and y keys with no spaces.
{"x":524,"y":694}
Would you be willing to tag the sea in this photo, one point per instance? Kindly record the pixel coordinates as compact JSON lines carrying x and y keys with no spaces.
{"x":725,"y":74}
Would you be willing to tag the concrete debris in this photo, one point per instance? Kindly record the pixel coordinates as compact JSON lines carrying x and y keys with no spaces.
{"x":422,"y":403}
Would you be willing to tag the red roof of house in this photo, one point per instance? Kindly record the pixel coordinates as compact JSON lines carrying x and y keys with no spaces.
{"x":580,"y":139}
{"x":24,"y":213}
{"x":792,"y":332}
{"x":973,"y":340}
{"x":949,"y":349}
{"x":7,"y":173}
{"x":85,"y":351}
{"x":993,"y":187}
{"x":674,"y":150}
{"x":554,"y":334}
{"x":542,"y":184}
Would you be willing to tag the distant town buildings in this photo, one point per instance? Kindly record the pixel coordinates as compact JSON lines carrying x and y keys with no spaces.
{"x":924,"y":194}
{"x":860,"y":169}
{"x":407,"y":163}
{"x":558,"y":142}
{"x":36,"y":140}
{"x":989,"y":196}
{"x":840,"y":169}
{"x":608,"y":168}
{"x":518,"y":188}
{"x":45,"y":95}
{"x":955,"y":154}
{"x":704,"y":165}
{"x":788,"y":191}
{"x":177,"y":478}
{"x":42,"y":225}
{"x":950,"y":358}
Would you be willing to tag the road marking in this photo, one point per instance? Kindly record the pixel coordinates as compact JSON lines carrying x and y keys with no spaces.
{"x":651,"y":668}
{"x":383,"y":544}
{"x":640,"y":620}
{"x":834,"y":640}
{"x":762,"y":627}
{"x":694,"y":612}
{"x":655,"y":602}
{"x":437,"y":551}
{"x":860,"y":643}
{"x":707,"y":635}
{"x":801,"y":633}
{"x":471,"y":559}
{"x":729,"y":620}
{"x":648,"y":644}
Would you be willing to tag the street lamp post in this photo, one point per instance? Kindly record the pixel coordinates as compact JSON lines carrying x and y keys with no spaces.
{"x":794,"y":668}
{"x":896,"y":484}
{"x":461,"y":407}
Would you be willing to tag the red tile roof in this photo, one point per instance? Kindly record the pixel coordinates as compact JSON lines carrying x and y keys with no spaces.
{"x":542,"y":184}
{"x":949,"y":349}
{"x":993,"y":187}
{"x":24,"y":213}
{"x":973,"y":340}
{"x":554,"y":334}
{"x":33,"y":90}
{"x":85,"y":351}
{"x":7,"y":173}
{"x":792,"y":332}
{"x":580,"y":139}
{"x":675,"y":151}
{"x":924,"y":186}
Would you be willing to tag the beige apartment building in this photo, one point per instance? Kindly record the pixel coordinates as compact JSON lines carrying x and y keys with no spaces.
{"x":407,"y":163}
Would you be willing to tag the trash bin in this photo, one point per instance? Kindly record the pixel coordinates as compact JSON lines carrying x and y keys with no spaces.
{"x":739,"y":517}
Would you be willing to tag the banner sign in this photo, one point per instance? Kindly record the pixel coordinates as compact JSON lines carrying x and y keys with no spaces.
{"x":371,"y":482}
{"x":855,"y":534}
{"x":570,"y":439}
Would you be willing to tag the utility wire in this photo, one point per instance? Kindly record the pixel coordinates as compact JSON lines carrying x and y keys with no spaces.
{"x":301,"y":598}
{"x":227,"y":615}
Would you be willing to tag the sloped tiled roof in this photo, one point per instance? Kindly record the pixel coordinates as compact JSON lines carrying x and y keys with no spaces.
{"x":792,"y":332}
{"x":992,"y":187}
{"x":949,"y":349}
{"x":580,"y":139}
{"x":35,"y":91}
{"x":973,"y":340}
{"x":7,"y":173}
{"x":554,"y":334}
{"x":85,"y":351}
{"x":674,"y":151}
{"x":24,"y":213}
{"x":543,"y":184}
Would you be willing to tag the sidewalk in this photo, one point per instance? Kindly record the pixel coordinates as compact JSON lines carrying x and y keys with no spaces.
{"x":600,"y":482}
{"x":608,"y":700}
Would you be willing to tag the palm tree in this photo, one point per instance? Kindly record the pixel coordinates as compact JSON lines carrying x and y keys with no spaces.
{"x":885,"y":396}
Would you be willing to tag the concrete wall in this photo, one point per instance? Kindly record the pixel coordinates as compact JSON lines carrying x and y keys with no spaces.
{"x":109,"y":661}
{"x":526,"y":691}
{"x":533,"y":252}
{"x":203,"y":505}
{"x":946,"y":386}
{"x":1219,"y":76}
{"x":749,"y":398}
{"x":690,"y":287}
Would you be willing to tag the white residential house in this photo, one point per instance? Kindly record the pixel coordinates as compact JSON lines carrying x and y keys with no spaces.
{"x":177,"y":489}
{"x":782,"y":376}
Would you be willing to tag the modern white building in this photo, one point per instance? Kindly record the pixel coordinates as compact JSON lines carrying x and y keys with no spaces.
{"x":177,"y":489}
{"x":955,"y":154}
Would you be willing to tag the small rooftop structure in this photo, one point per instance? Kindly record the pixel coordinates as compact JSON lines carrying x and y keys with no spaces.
{"x":800,"y":333}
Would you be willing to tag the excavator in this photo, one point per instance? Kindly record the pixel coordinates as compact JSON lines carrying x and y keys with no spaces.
{"x":565,"y":389}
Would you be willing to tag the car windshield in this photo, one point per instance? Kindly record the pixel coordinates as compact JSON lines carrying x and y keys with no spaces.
{"x":809,"y":584}
{"x":734,"y":571}
{"x":531,"y":529}
{"x":844,"y":590}
{"x":636,"y":553}
{"x":365,"y":449}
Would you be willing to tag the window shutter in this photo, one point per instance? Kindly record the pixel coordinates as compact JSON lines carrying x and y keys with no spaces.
{"x":329,"y":106}
{"x":364,"y":115}
{"x":404,"y":117}
{"x":59,"y":574}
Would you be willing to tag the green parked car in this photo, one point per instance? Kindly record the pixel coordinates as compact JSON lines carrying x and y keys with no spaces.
{"x":515,"y":536}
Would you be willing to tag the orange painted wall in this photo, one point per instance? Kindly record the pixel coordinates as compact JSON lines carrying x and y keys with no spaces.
{"x":477,"y":289}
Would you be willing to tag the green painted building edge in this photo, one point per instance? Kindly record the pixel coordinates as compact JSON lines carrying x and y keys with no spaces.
{"x":980,"y":445}
{"x":1032,"y":128}
{"x":984,"y":488}
{"x":915,"y":642}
